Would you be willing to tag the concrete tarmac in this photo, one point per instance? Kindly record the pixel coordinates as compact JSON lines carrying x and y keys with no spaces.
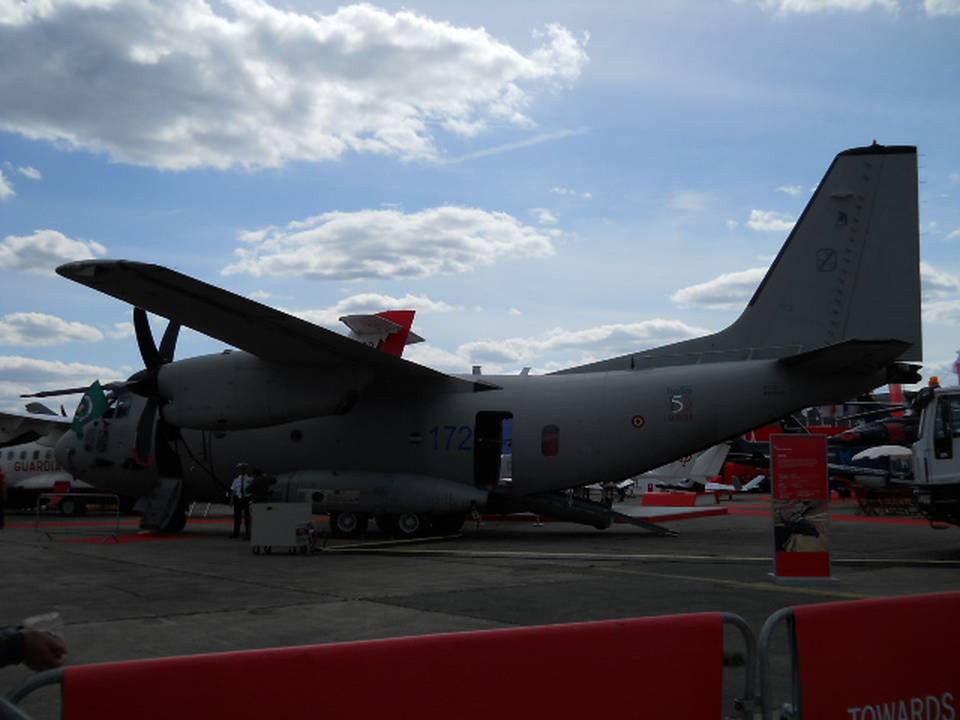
{"x":152,"y":595}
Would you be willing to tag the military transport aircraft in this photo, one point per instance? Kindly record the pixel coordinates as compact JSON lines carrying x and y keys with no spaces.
{"x":367,"y":434}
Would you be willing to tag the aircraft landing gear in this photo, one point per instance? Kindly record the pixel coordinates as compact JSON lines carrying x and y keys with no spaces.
{"x":177,"y":521}
{"x":448,"y":524}
{"x":387,"y":524}
{"x":71,"y":506}
{"x":410,"y":525}
{"x":348,"y":524}
{"x":404,"y":525}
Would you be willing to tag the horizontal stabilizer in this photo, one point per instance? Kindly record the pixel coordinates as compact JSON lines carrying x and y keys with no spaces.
{"x":855,"y":356}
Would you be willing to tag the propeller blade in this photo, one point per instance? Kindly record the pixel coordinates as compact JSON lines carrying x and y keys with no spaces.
{"x":168,"y":343}
{"x":148,"y":348}
{"x":144,"y":442}
{"x":54,"y":393}
{"x":107,"y":387}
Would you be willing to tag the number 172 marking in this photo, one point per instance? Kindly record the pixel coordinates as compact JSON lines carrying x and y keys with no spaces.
{"x":452,"y":437}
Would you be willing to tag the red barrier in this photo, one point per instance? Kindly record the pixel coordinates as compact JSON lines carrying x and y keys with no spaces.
{"x":876,"y":659}
{"x":637,"y":668}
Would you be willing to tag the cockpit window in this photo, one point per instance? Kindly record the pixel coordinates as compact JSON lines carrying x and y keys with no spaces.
{"x":123,"y":408}
{"x":117,"y":408}
{"x":946,"y":425}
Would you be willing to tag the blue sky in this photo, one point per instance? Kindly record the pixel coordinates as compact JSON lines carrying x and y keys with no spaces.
{"x":547,"y":183}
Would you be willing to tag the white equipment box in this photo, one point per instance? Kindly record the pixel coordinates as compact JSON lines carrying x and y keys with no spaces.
{"x":281,"y":526}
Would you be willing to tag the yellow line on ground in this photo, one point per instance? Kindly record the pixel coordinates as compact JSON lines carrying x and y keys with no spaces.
{"x":769,"y":586}
{"x":533,"y":555}
{"x":402,"y":547}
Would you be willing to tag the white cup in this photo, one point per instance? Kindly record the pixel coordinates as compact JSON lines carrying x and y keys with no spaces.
{"x":50,"y":622}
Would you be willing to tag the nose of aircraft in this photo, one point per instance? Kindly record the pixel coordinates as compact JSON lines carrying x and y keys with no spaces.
{"x":66,"y":450}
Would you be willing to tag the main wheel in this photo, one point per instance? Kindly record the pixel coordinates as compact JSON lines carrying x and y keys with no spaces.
{"x":71,"y":506}
{"x":348,"y":524}
{"x":410,"y":525}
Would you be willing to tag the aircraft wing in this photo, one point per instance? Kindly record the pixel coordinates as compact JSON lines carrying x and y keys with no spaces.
{"x":46,"y":481}
{"x":263,"y":331}
{"x":18,"y":428}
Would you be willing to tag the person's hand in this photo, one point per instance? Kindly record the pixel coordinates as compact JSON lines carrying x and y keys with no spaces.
{"x":42,"y":651}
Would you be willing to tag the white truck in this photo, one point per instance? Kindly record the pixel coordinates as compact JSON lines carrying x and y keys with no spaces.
{"x":936,"y":455}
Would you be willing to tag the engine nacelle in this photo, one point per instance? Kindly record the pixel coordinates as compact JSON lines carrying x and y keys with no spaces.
{"x":236,"y":391}
{"x":377,"y":493}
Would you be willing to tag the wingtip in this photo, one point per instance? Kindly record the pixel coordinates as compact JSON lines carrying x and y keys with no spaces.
{"x":83,"y":271}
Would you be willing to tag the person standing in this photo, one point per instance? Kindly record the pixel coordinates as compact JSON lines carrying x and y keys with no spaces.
{"x":240,"y":492}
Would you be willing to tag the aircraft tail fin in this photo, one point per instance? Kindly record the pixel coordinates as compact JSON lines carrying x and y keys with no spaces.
{"x":849,"y":271}
{"x":387,"y":331}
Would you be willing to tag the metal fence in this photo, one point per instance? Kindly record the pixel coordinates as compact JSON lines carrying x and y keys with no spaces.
{"x":102,"y":511}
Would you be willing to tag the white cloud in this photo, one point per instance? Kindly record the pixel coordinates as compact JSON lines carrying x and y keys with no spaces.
{"x":518,"y":145}
{"x":954,"y":235}
{"x":790,"y":189}
{"x":937,"y":283}
{"x":510,"y":354}
{"x":570,"y":192}
{"x":38,"y":330}
{"x":942,"y":312}
{"x":371,"y":303}
{"x":724,"y":292}
{"x":544,"y":216}
{"x":437,"y":358}
{"x":19,"y":375}
{"x":245,"y":83}
{"x":43,"y":251}
{"x":30,"y":172}
{"x":514,"y":311}
{"x":941,"y":7}
{"x":732,"y":224}
{"x":389,"y":243}
{"x":769,"y":221}
{"x":122,"y":330}
{"x":543,"y":352}
{"x":6,"y":188}
{"x":690,"y":201}
{"x":786,"y":7}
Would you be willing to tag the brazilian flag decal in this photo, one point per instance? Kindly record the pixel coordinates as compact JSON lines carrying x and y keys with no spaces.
{"x":91,"y":406}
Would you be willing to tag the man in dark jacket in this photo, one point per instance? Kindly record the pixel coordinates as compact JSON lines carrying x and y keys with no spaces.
{"x":36,"y":649}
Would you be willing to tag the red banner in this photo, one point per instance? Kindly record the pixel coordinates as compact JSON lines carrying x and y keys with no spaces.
{"x":875,"y":659}
{"x":554,"y":671}
{"x":801,"y":505}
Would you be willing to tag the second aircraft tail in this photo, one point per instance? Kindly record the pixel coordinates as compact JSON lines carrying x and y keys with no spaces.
{"x":849,"y":271}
